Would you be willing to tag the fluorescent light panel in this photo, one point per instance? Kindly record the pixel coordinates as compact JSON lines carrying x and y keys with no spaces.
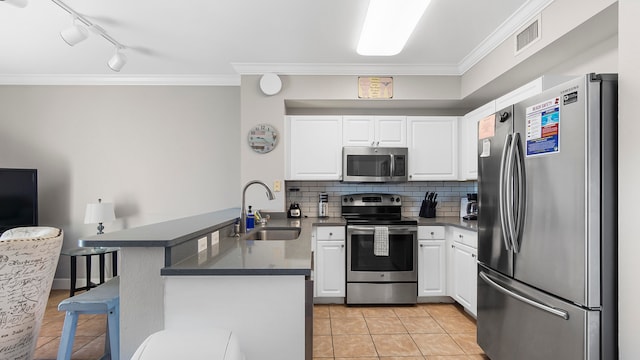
{"x":388,"y":25}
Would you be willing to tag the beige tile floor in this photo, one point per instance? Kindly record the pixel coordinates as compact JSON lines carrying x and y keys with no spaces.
{"x":421,"y":332}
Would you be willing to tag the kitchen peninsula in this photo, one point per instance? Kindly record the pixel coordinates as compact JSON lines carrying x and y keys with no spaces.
{"x":193,"y":274}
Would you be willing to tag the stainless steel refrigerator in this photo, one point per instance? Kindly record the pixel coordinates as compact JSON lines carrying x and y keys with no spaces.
{"x":547,"y":237}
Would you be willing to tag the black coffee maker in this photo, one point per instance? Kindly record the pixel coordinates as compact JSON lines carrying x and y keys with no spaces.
{"x":294,"y":211}
{"x":472,"y":207}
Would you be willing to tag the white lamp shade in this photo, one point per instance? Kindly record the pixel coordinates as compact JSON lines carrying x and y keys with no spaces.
{"x":117,"y":61}
{"x":99,"y":213}
{"x":74,"y":34}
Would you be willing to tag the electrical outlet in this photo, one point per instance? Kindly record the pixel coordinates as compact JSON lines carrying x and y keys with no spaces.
{"x":215,"y":238}
{"x":202,"y":244}
{"x":276,"y":186}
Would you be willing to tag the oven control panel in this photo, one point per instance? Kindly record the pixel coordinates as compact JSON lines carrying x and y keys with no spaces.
{"x":372,"y":200}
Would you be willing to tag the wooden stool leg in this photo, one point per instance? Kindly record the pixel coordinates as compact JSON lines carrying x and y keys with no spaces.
{"x":68,"y":335}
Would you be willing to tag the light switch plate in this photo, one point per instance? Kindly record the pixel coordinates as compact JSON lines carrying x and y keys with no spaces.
{"x":276,"y":186}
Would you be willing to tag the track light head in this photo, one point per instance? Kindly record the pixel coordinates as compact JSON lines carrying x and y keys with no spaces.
{"x":117,"y":61}
{"x":16,"y":3}
{"x":74,"y":34}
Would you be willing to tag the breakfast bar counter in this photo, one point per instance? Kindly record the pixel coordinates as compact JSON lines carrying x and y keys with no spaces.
{"x":195,"y":273}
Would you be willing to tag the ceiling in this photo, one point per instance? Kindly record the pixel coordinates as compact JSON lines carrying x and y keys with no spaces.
{"x":213,"y":42}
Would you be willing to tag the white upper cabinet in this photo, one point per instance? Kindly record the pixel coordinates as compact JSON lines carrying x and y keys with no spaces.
{"x":468,"y":160}
{"x":433,"y":147}
{"x":314,"y":147}
{"x":384,"y":131}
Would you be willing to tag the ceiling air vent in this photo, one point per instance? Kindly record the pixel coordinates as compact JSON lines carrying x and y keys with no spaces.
{"x":529,"y":35}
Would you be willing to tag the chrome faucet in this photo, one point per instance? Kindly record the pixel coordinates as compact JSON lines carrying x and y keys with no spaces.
{"x":243,"y":212}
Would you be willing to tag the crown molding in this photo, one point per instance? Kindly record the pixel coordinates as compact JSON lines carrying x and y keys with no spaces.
{"x":343,"y":69}
{"x":165,"y":80}
{"x":520,"y":17}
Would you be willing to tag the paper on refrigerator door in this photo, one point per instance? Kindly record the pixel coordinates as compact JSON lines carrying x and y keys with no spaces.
{"x":486,"y":148}
{"x":543,"y":127}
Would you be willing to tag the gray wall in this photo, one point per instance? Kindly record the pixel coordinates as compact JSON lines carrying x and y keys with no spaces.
{"x":157,"y":153}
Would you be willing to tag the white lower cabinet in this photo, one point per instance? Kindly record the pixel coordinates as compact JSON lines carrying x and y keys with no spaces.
{"x":432,"y":261}
{"x":329,"y":262}
{"x":432,"y":280}
{"x":463,"y":268}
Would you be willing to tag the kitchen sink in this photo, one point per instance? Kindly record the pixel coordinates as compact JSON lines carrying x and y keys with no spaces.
{"x":282,"y":233}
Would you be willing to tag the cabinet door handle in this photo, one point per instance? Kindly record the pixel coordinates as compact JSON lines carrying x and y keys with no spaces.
{"x":432,"y":233}
{"x":460,"y":236}
{"x":473,"y":255}
{"x":330,"y":234}
{"x":342,"y":246}
{"x":421,"y":245}
{"x":453,"y":246}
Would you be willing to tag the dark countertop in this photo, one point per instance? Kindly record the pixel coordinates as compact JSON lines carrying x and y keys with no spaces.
{"x":165,"y":234}
{"x":450,"y":221}
{"x":236,"y":256}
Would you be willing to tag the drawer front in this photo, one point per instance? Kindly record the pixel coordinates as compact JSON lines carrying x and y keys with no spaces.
{"x":430,"y":232}
{"x":330,"y":233}
{"x":468,"y":238}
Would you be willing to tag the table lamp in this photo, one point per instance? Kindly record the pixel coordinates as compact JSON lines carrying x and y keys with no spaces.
{"x":99,"y":213}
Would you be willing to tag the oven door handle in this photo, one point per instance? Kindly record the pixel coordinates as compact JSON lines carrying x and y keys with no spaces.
{"x":392,"y":229}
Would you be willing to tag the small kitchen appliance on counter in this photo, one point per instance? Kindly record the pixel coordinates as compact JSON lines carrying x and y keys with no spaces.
{"x":323,"y":205}
{"x":471,"y":207}
{"x":294,"y":211}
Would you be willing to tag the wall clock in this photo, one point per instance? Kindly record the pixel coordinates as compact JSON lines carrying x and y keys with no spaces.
{"x":263,"y":138}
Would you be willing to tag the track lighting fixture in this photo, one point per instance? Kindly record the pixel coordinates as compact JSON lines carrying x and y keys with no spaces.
{"x":17,"y":3}
{"x":77,"y":33}
{"x":74,"y":34}
{"x":117,"y":61}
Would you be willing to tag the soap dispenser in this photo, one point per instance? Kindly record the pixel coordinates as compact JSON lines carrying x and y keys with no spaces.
{"x":250,"y":220}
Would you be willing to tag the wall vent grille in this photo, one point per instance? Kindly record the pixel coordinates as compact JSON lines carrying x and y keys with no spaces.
{"x":529,"y":35}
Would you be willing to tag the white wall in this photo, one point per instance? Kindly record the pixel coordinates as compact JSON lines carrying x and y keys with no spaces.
{"x":158,"y":153}
{"x":628,"y":173}
{"x":567,"y":28}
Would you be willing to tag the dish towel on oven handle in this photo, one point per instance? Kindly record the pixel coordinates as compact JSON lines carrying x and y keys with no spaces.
{"x":381,"y":241}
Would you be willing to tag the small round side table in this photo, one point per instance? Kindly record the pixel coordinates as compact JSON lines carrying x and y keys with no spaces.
{"x":88,"y":252}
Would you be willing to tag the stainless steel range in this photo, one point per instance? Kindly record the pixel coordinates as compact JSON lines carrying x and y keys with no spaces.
{"x":381,"y":250}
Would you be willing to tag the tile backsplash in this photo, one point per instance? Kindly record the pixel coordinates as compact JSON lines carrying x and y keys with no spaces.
{"x":449,"y":194}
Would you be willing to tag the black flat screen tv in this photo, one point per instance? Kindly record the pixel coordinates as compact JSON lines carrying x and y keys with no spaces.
{"x":18,"y":198}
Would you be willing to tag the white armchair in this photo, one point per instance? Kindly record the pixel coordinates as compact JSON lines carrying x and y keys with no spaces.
{"x":28,"y":260}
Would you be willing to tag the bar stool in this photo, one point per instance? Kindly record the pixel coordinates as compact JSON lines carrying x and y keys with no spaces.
{"x":104,"y":299}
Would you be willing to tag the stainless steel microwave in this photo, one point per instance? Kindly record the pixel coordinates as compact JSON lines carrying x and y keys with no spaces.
{"x":374,"y":164}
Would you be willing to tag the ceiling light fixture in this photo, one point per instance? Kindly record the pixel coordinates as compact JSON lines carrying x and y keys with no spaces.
{"x":117,"y":61}
{"x":17,"y":3}
{"x":388,"y":25}
{"x":77,"y":31}
{"x":74,"y":34}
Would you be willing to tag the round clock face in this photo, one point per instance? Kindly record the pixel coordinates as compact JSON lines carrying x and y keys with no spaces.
{"x":263,"y":138}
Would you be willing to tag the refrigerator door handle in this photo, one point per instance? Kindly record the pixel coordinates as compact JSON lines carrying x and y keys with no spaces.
{"x":555,"y":311}
{"x":501,"y":193}
{"x":509,"y":192}
{"x":522,"y":193}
